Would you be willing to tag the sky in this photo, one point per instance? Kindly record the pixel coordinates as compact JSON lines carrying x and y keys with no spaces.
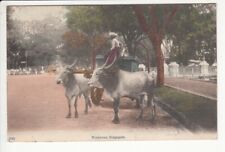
{"x":27,"y":13}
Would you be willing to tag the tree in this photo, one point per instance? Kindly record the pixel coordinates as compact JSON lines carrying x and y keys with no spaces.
{"x":33,"y":41}
{"x":14,"y":47}
{"x":102,"y":19}
{"x":121,"y":19}
{"x":87,"y":20}
{"x":124,"y":21}
{"x":41,"y":38}
{"x":75,"y":45}
{"x":193,"y":33}
{"x":154,"y":19}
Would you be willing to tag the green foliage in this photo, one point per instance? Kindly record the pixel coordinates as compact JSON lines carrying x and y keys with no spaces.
{"x":13,"y":45}
{"x":192,"y":29}
{"x":143,"y":48}
{"x":94,"y":20}
{"x":33,"y":41}
{"x":84,"y":18}
{"x":86,"y":33}
{"x":121,"y":19}
{"x":193,"y":32}
{"x":75,"y":45}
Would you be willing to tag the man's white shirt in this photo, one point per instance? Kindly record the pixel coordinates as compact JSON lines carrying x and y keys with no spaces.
{"x":115,"y":43}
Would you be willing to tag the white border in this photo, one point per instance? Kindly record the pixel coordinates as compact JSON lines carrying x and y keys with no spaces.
{"x":221,"y":68}
{"x":131,"y":146}
{"x":107,"y":2}
{"x":3,"y":97}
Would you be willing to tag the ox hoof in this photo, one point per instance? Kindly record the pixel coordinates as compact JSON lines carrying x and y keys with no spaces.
{"x":137,"y":107}
{"x":90,"y":105}
{"x":76,"y":115}
{"x":85,"y":112}
{"x":68,"y":116}
{"x":152,"y":119}
{"x":116,"y":121}
{"x":139,"y":118}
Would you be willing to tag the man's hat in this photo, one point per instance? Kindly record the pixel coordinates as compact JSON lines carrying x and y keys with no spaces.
{"x":113,"y":34}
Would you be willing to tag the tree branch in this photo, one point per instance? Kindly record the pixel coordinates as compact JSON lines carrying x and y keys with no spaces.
{"x":171,"y":15}
{"x":141,"y":18}
{"x":154,"y":24}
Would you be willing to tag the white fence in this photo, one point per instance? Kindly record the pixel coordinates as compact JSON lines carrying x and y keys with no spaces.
{"x":28,"y":71}
{"x":195,"y":71}
{"x":199,"y":71}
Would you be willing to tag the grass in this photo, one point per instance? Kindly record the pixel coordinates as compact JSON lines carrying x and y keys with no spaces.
{"x":199,"y":110}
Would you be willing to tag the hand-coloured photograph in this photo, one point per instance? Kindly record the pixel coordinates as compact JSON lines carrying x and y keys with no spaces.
{"x":111,"y":72}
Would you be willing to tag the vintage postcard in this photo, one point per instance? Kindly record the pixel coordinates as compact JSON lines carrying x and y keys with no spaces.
{"x":118,"y":72}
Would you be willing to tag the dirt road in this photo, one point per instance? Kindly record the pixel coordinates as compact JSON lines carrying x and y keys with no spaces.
{"x":37,"y":108}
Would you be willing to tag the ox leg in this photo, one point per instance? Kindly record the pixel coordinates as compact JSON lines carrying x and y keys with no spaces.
{"x":69,"y":108}
{"x":87,"y":102}
{"x":142,"y":105}
{"x":153,"y":109}
{"x":116,"y":104}
{"x":75,"y":107}
{"x":88,"y":99}
{"x":137,"y":104}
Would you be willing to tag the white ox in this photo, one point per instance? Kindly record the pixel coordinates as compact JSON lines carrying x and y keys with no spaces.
{"x":75,"y":85}
{"x":118,"y":83}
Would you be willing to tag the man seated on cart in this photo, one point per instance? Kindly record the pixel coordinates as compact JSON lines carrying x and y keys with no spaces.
{"x":116,"y":47}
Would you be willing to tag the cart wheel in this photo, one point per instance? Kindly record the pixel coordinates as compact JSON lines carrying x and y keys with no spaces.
{"x":96,"y":95}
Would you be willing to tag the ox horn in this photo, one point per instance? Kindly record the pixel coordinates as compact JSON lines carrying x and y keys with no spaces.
{"x":70,"y":67}
{"x":73,"y":64}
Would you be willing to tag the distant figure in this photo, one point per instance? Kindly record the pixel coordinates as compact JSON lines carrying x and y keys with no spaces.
{"x":35,"y":71}
{"x":141,"y":67}
{"x":153,"y":74}
{"x":124,"y":52}
{"x":114,"y":52}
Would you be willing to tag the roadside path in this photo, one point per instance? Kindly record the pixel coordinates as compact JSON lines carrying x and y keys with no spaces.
{"x":205,"y":89}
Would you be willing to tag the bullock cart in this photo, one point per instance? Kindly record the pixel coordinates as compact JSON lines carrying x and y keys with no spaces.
{"x":125,"y":63}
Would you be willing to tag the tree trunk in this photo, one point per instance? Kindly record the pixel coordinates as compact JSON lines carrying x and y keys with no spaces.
{"x":160,"y":61}
{"x":93,"y":58}
{"x":148,"y":60}
{"x":148,"y":57}
{"x":156,"y":38}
